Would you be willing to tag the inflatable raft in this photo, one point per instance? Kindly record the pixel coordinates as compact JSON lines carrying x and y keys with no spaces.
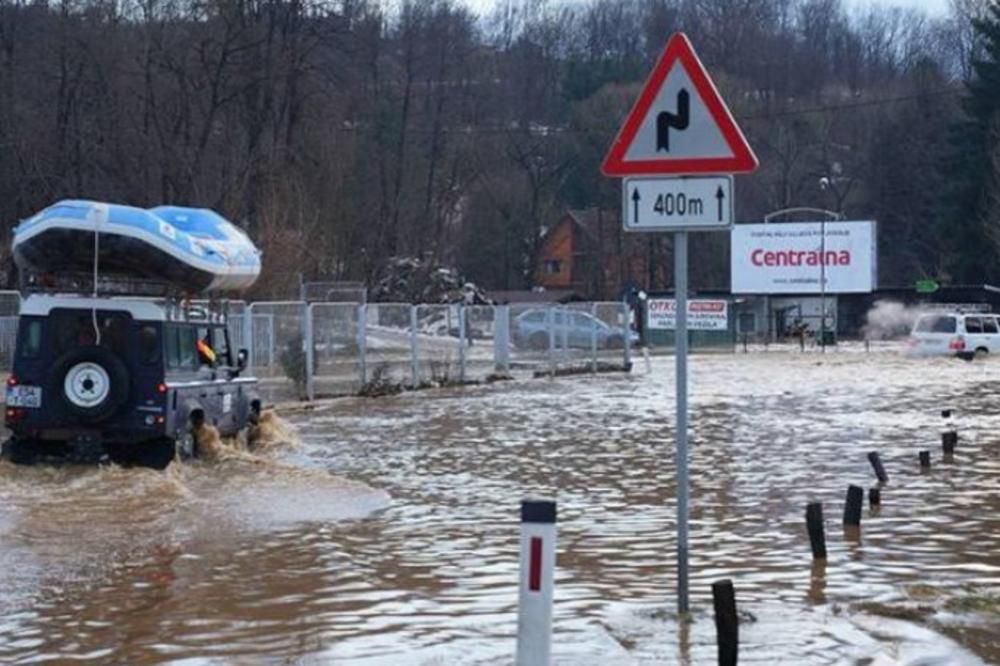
{"x":195,"y":249}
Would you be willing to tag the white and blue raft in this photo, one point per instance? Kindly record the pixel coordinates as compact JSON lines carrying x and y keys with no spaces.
{"x":195,"y":249}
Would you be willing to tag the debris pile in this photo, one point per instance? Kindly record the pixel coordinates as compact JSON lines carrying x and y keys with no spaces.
{"x":415,"y":280}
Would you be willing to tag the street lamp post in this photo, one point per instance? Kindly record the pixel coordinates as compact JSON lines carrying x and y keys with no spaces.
{"x":822,"y":285}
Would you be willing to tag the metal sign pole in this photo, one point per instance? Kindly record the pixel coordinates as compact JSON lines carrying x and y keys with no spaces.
{"x":681,"y":354}
{"x":681,"y":109}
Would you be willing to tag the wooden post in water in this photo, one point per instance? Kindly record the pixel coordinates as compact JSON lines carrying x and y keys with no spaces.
{"x":727,"y":626}
{"x":948,"y":441}
{"x":874,"y":497}
{"x":925,"y":459}
{"x":852,"y":507}
{"x":814,"y":524}
{"x":876,"y":463}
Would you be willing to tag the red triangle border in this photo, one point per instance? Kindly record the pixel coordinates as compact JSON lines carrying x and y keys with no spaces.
{"x":743,"y":160}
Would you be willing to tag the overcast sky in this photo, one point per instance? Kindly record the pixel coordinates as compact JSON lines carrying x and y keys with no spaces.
{"x":934,"y":7}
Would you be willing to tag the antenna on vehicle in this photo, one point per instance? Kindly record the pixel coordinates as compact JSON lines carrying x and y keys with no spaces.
{"x":99,"y":212}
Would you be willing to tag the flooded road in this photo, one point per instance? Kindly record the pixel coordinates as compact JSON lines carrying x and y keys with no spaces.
{"x":389,"y":533}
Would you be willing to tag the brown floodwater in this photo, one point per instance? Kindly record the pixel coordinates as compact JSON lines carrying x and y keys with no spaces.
{"x":387,"y":532}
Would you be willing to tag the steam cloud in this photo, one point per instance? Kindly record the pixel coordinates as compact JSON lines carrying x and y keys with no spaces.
{"x":889,"y":319}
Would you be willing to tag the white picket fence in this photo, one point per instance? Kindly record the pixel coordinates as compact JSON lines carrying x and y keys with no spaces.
{"x":310,"y":350}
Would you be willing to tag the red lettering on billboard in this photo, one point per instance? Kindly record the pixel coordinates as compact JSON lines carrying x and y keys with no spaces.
{"x":761,"y":257}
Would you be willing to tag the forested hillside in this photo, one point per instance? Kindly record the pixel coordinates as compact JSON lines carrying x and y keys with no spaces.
{"x":343,"y":133}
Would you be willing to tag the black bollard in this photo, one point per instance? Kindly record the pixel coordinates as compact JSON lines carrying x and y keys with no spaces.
{"x":948,"y":441}
{"x":925,"y":459}
{"x":814,"y":524}
{"x":727,"y":626}
{"x":946,"y":413}
{"x":874,"y":497}
{"x":852,"y":507}
{"x":877,"y":466}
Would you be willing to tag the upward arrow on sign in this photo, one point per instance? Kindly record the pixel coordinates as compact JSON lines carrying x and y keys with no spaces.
{"x":679,"y":124}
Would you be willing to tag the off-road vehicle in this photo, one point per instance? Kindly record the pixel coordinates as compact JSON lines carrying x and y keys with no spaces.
{"x":123,"y":378}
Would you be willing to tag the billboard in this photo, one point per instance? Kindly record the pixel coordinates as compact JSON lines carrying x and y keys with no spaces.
{"x":786,"y":258}
{"x":703,"y":314}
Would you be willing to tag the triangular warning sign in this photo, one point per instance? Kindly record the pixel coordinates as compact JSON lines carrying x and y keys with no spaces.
{"x":679,"y":124}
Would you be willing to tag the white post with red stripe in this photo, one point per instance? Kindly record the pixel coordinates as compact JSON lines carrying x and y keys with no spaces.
{"x":538,"y":563}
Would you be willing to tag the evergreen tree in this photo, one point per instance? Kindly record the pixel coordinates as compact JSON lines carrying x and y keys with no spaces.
{"x":971,"y":224}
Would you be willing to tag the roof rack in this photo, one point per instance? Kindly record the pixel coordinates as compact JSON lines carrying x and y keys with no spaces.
{"x":83,"y":283}
{"x":178,"y":306}
{"x":959,"y":308}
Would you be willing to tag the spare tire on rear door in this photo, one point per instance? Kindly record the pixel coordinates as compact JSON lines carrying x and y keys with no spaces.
{"x":92,"y":382}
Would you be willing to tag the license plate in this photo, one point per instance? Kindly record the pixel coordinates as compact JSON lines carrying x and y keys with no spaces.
{"x":24,"y":396}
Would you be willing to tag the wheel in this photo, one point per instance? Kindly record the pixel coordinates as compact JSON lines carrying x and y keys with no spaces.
{"x":982,"y":352}
{"x":538,"y":341}
{"x":185,"y":445}
{"x":92,"y":383}
{"x":20,"y":451}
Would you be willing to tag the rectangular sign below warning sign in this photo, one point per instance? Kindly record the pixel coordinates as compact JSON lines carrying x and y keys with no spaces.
{"x":703,"y":315}
{"x":677,"y":204}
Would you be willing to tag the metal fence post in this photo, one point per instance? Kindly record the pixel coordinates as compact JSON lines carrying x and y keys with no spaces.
{"x":501,"y":338}
{"x":627,"y":342}
{"x":414,"y":353}
{"x":593,"y":338}
{"x":248,"y":333}
{"x":362,"y":341}
{"x":310,"y":350}
{"x":461,"y":342}
{"x":550,"y":321}
{"x":270,"y":340}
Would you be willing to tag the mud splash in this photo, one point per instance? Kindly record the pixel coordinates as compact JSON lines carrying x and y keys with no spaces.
{"x":270,"y":434}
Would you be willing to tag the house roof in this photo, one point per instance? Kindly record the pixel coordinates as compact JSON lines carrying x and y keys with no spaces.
{"x":592,"y":220}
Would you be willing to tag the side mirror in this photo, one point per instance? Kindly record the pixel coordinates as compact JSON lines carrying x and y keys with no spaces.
{"x":242,"y":357}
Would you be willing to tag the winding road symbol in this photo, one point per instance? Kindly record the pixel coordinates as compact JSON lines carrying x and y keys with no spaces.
{"x":665,"y":120}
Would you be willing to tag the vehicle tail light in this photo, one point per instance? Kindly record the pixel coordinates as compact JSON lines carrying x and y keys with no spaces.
{"x":14,"y":414}
{"x":12,"y":380}
{"x":957,"y":344}
{"x":161,"y":388}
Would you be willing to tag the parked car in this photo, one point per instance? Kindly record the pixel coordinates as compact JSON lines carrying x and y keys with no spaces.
{"x":955,"y":334}
{"x":125,"y":378}
{"x":531,"y":330}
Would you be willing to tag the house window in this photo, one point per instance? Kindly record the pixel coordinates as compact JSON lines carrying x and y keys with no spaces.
{"x":553,"y":266}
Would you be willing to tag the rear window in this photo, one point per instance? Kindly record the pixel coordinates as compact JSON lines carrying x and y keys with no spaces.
{"x":179,"y":347}
{"x":149,"y":344}
{"x":31,"y":338}
{"x":935,"y":324}
{"x":84,"y":328}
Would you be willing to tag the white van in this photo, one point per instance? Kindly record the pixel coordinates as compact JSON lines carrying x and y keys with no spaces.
{"x":955,"y":334}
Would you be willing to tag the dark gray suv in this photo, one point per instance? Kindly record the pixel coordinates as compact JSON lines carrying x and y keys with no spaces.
{"x":122,"y":378}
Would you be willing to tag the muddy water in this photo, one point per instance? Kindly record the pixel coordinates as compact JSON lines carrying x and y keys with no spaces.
{"x":266,"y":556}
